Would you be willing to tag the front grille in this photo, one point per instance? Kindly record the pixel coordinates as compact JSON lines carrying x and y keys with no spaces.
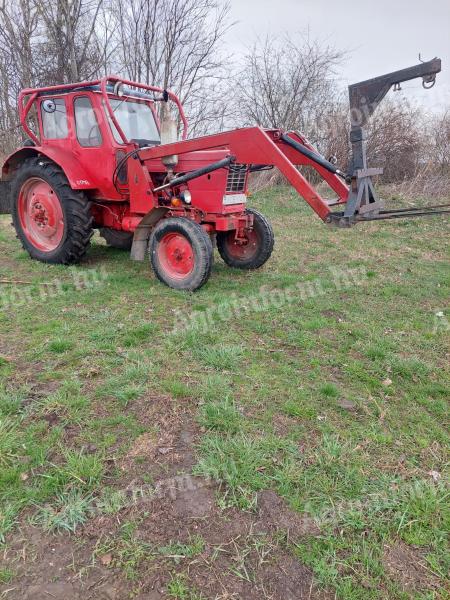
{"x":237,"y":177}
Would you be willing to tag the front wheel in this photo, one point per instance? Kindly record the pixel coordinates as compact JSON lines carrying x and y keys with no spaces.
{"x":181,"y":253}
{"x":252,"y":252}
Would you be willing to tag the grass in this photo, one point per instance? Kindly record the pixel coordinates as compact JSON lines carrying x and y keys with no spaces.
{"x":124,"y":551}
{"x":328,"y":386}
{"x":178,"y":551}
{"x":6,"y":575}
{"x":221,"y":416}
{"x":179,"y":588}
{"x":68,"y":511}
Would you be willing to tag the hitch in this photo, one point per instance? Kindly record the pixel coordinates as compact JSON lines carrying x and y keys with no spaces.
{"x":363,"y":202}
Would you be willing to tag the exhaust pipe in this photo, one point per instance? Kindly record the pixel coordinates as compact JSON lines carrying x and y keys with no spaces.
{"x":169,"y":135}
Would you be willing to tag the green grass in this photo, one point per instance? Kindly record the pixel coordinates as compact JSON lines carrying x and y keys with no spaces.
{"x":125,"y":551}
{"x":178,"y":588}
{"x":66,"y":513}
{"x":329,"y":387}
{"x":6,"y":575}
{"x":221,"y":416}
{"x":178,"y":551}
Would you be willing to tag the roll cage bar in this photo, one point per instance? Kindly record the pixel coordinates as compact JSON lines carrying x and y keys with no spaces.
{"x":105,"y":85}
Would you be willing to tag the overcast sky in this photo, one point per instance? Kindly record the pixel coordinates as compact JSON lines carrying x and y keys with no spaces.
{"x":379,"y":35}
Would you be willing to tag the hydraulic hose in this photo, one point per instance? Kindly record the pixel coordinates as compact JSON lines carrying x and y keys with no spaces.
{"x":317,"y":158}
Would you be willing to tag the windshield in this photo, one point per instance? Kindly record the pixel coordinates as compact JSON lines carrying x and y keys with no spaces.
{"x":136,"y":120}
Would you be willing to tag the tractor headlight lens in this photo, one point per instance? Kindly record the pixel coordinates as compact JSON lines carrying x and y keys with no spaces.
{"x":186,"y":196}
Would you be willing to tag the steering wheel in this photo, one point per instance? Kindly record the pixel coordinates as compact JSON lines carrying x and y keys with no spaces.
{"x":90,"y":138}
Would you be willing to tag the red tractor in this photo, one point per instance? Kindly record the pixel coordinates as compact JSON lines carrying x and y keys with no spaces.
{"x":104,"y":154}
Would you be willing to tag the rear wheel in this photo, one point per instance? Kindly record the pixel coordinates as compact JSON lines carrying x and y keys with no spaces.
{"x":122,"y":240}
{"x":251,"y":253}
{"x":52,"y":221}
{"x":181,"y":253}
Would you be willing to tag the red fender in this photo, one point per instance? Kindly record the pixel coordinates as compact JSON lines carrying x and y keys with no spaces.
{"x":74,"y":171}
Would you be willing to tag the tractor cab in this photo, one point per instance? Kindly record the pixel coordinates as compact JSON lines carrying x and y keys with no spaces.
{"x":83,"y":120}
{"x":87,"y":129}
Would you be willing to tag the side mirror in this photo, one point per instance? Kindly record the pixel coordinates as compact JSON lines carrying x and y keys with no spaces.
{"x":49,"y":106}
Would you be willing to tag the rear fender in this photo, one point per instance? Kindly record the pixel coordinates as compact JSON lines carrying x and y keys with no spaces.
{"x":72,"y":168}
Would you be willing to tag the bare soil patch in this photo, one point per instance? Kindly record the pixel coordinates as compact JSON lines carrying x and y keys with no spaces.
{"x":407,"y":566}
{"x":275,"y":515}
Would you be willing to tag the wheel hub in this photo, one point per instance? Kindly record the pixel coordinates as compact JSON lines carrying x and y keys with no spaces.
{"x":243,"y":248}
{"x":176,"y":255}
{"x":41,"y":214}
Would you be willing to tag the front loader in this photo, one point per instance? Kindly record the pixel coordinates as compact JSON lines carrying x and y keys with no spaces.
{"x":105,"y":155}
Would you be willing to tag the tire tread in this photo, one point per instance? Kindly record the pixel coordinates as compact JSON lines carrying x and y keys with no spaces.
{"x":194,"y":232}
{"x":77,"y":208}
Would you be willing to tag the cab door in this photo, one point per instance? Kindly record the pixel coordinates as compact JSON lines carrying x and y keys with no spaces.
{"x":92,"y":146}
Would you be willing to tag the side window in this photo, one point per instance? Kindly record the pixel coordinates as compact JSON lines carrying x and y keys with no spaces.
{"x":88,"y":131}
{"x":54,"y":118}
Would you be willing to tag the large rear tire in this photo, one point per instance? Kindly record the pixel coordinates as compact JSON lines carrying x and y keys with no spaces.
{"x":181,"y":253}
{"x":253,"y":253}
{"x":53,"y":221}
{"x":122,"y":240}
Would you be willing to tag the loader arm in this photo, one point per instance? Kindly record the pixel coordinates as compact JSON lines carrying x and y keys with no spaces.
{"x":254,"y":145}
{"x":288,"y":150}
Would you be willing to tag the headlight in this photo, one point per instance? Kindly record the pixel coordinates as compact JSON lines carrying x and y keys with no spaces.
{"x":186,"y":196}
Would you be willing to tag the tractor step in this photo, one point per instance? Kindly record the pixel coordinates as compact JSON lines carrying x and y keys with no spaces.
{"x":5,"y":200}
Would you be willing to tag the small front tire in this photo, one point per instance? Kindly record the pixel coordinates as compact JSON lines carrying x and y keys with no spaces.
{"x":181,"y":253}
{"x":253,"y":253}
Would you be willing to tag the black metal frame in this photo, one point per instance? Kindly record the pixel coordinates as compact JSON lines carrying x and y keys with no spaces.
{"x":363,"y":202}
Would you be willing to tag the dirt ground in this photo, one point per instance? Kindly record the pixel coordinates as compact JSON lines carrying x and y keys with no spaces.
{"x":245,"y":554}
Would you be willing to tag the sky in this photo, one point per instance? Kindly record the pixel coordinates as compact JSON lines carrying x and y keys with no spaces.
{"x":379,"y":36}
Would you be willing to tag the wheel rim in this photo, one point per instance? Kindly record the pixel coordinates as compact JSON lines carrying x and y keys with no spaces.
{"x":176,"y":255}
{"x":41,"y":215}
{"x":244,"y":250}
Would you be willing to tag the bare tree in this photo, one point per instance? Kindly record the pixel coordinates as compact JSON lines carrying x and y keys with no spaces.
{"x":287,"y":82}
{"x":283,"y":82}
{"x":177,"y":44}
{"x":439,"y":142}
{"x":70,"y":29}
{"x":396,"y":139}
{"x":19,"y":64}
